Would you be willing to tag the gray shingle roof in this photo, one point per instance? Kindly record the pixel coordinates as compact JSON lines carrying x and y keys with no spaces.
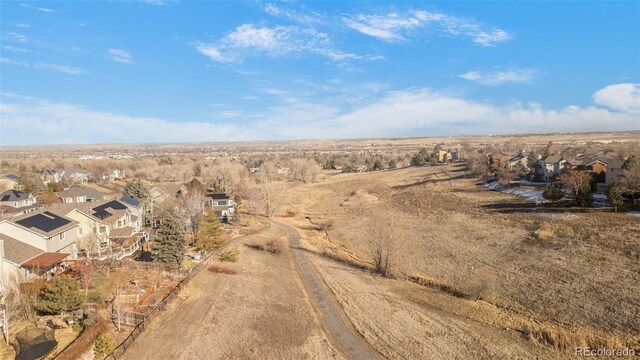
{"x":16,"y":251}
{"x":79,"y":191}
{"x":13,"y":195}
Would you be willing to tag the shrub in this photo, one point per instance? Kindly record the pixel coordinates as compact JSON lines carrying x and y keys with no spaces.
{"x":584,"y":197}
{"x":104,"y":345}
{"x":231,"y":255}
{"x":553,"y":193}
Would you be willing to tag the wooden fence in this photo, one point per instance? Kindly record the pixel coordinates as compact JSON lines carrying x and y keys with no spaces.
{"x":144,"y":319}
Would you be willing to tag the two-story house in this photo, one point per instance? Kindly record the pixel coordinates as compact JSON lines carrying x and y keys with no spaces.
{"x":222,"y":205}
{"x":52,"y":176}
{"x":78,"y":176}
{"x":44,"y":230}
{"x":80,"y":195}
{"x":15,"y":203}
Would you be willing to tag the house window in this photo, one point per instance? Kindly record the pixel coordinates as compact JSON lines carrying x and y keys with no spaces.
{"x":95,"y":230}
{"x":103,"y":229}
{"x":79,"y":231}
{"x":119,"y":223}
{"x":61,"y":236}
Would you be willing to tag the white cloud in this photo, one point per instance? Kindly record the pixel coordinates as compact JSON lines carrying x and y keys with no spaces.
{"x":71,"y":70}
{"x":251,"y":40}
{"x":23,"y":25}
{"x":42,"y":9}
{"x":500,"y":77}
{"x":384,"y":27}
{"x":306,"y":18}
{"x":621,"y":97}
{"x":14,"y":36}
{"x":121,"y":55}
{"x":421,"y":112}
{"x":59,"y":123}
{"x":397,"y":26}
{"x":15,"y":49}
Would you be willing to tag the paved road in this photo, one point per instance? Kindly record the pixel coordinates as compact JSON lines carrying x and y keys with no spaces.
{"x":332,"y":315}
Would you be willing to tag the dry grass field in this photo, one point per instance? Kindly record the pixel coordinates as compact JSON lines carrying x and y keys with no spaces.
{"x":565,"y":277}
{"x":261,"y":312}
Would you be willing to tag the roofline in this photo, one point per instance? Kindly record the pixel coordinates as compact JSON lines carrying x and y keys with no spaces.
{"x":37,"y":233}
{"x":87,"y":215}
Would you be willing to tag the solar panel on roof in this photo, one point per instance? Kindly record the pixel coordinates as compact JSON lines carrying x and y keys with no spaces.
{"x":114,"y":204}
{"x":46,"y":221}
{"x":6,"y":198}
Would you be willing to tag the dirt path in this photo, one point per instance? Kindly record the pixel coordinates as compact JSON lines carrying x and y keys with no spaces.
{"x":332,"y":315}
{"x":259,"y":313}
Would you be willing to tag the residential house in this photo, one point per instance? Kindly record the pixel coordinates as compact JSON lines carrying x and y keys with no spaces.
{"x":442,"y":156}
{"x":78,"y":176}
{"x":109,"y":222}
{"x":223,"y":206}
{"x":80,"y":195}
{"x":136,"y":207}
{"x":613,"y":174}
{"x":596,"y":167}
{"x":551,"y":167}
{"x":115,"y":174}
{"x":15,"y":203}
{"x":44,"y":230}
{"x":52,"y":176}
{"x":516,"y":162}
{"x":13,"y":253}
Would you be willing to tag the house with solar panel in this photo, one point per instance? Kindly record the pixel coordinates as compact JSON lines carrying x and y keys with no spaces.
{"x":15,"y":203}
{"x":109,"y":228}
{"x":39,"y":242}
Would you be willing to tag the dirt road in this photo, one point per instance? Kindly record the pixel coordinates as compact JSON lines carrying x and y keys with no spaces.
{"x":332,"y":316}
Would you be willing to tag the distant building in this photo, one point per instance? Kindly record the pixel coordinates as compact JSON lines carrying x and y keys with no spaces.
{"x":80,"y":195}
{"x":222,"y":205}
{"x":52,"y":176}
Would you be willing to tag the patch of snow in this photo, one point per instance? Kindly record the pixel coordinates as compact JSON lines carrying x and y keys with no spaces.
{"x":531,"y":195}
{"x":634,"y":213}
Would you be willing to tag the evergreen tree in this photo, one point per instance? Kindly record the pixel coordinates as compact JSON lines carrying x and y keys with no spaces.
{"x":392,"y":164}
{"x":210,"y":232}
{"x":614,"y":195}
{"x":584,"y":196}
{"x":169,"y":243}
{"x":532,"y":159}
{"x":418,"y":159}
{"x":104,"y":346}
{"x":60,"y":295}
{"x":136,"y":190}
{"x":377,"y":165}
{"x":553,"y":193}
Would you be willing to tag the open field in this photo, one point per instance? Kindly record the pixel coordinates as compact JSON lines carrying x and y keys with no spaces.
{"x":261,"y":313}
{"x":573,"y":268}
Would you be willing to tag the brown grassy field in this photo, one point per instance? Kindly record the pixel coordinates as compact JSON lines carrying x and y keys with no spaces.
{"x":260,"y":312}
{"x":566,"y":271}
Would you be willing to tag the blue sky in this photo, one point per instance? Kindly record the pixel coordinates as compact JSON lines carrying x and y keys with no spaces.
{"x":77,"y":72}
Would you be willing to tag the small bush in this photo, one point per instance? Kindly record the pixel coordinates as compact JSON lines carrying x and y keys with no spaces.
{"x":567,"y":339}
{"x":271,"y":246}
{"x":553,"y":233}
{"x":221,"y":270}
{"x":230,"y":255}
{"x":104,"y":346}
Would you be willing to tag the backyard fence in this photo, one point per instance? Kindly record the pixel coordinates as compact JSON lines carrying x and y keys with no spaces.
{"x":140,"y":320}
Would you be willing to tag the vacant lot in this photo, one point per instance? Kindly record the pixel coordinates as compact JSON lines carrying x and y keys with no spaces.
{"x":566,"y":267}
{"x":260,"y":313}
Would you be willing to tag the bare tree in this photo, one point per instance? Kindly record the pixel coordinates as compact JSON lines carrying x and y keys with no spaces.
{"x":118,"y":307}
{"x":190,"y":208}
{"x":304,"y":170}
{"x":575,"y":180}
{"x":17,"y":298}
{"x":383,"y":249}
{"x":271,"y":198}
